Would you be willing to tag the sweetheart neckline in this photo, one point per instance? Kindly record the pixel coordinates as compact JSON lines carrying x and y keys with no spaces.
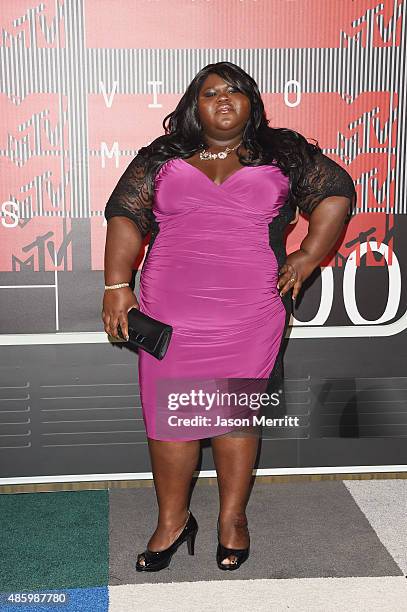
{"x":206,"y":177}
{"x":209,"y":179}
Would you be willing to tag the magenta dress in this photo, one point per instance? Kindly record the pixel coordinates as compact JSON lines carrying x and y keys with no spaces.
{"x":217,"y":287}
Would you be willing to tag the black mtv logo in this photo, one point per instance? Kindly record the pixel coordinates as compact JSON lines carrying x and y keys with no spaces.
{"x":41,"y":246}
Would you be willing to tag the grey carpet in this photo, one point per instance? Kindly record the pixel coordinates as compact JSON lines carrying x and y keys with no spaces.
{"x":298,"y":530}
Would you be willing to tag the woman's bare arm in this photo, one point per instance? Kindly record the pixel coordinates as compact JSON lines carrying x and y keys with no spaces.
{"x":326,"y":223}
{"x":328,"y":197}
{"x":123,"y":243}
{"x":129,"y":215}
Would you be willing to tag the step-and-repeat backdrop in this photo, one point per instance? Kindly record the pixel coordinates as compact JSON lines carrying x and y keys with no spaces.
{"x":84,"y":84}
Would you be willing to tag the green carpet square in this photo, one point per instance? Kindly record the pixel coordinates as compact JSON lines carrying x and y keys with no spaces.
{"x":54,"y":540}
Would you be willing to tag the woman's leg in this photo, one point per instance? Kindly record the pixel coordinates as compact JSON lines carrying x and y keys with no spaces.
{"x":234,"y":457}
{"x":173,"y":465}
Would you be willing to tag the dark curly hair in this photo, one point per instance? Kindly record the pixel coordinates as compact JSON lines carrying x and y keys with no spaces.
{"x":285,"y":148}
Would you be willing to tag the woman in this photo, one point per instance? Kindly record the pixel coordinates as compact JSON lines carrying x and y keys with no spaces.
{"x":216,"y":191}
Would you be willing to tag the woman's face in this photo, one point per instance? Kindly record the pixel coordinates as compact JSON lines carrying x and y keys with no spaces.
{"x":223,"y":109}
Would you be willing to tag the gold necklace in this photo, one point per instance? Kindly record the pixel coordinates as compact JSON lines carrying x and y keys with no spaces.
{"x":207,"y":155}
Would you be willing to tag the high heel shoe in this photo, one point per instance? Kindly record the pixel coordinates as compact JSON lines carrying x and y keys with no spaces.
{"x":222,"y":552}
{"x":158,"y":560}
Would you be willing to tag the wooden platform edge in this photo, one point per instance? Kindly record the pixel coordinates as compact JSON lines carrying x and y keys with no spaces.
{"x":202,"y":481}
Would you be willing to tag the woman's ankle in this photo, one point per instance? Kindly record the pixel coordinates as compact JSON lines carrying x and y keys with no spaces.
{"x":236,"y":518}
{"x":171,"y":520}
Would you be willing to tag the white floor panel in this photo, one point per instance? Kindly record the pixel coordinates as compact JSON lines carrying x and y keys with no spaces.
{"x":299,"y":595}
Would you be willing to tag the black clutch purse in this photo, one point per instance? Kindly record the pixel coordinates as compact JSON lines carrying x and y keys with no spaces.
{"x":147,"y":333}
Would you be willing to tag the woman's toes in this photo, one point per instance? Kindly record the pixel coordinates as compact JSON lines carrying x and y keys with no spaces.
{"x":142,"y":561}
{"x":229,"y":560}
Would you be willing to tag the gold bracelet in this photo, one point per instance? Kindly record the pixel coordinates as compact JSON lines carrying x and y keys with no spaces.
{"x":118,"y":286}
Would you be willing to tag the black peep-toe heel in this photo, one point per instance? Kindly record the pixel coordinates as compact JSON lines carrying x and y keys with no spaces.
{"x":158,"y":560}
{"x":222,"y":552}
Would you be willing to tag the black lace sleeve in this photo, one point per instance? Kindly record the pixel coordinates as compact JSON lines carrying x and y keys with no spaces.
{"x":322,"y":178}
{"x":130,"y":197}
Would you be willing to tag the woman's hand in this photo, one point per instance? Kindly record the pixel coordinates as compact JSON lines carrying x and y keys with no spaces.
{"x":116,"y":305}
{"x":297,"y":267}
